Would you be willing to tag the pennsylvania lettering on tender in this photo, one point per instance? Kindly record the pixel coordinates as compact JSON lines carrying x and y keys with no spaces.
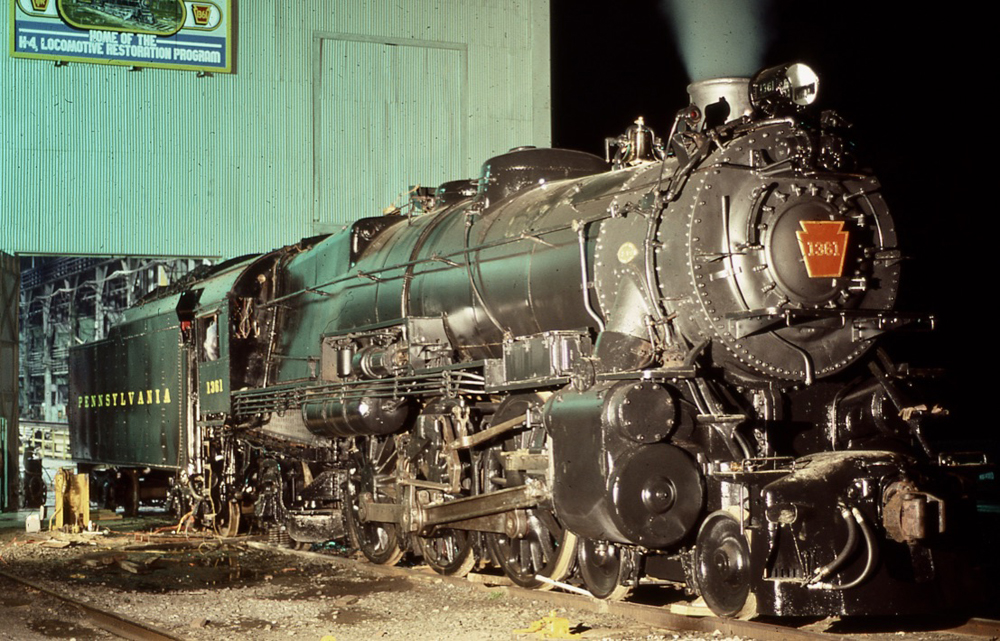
{"x":125,"y":399}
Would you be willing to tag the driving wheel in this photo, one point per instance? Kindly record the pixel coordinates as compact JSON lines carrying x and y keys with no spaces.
{"x":448,"y":552}
{"x":547,"y":549}
{"x":442,"y":474}
{"x":372,"y":464}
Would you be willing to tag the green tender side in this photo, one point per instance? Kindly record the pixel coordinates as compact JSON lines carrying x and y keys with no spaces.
{"x":128,"y":394}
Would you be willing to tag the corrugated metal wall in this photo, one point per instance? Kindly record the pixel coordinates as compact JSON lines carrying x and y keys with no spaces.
{"x":334,"y":110}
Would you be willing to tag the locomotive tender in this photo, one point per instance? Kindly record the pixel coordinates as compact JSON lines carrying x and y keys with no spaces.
{"x":666,"y":366}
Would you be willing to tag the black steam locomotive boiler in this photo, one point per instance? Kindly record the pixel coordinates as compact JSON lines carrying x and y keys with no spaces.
{"x":664,"y":363}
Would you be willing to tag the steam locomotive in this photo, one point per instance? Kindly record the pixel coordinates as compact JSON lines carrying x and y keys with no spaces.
{"x":664,"y":363}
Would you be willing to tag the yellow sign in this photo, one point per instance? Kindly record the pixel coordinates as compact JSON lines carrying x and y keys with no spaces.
{"x":167,"y":34}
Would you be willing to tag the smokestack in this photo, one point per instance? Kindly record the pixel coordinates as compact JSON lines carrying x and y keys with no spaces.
{"x":774,"y":91}
{"x":720,"y":100}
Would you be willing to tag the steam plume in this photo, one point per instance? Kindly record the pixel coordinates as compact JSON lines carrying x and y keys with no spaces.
{"x":719,"y":38}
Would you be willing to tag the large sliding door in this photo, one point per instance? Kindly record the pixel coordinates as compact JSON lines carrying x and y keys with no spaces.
{"x":387,"y":116}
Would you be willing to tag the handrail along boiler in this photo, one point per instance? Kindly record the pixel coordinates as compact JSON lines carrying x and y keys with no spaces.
{"x":662,"y":364}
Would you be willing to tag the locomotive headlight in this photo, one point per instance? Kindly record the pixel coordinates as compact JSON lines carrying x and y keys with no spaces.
{"x":782,"y":88}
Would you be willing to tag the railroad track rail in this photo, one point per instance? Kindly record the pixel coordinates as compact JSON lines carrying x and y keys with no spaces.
{"x":106,"y":620}
{"x":978,"y":627}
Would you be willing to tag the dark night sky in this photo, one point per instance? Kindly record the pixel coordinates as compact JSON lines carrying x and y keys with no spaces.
{"x":901,"y":75}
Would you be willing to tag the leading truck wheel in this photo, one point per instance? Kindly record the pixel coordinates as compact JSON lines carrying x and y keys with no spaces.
{"x":722,"y":566}
{"x":374,"y":462}
{"x":604,"y":569}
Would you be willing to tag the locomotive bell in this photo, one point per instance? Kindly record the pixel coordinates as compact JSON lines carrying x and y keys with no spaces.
{"x":637,"y":145}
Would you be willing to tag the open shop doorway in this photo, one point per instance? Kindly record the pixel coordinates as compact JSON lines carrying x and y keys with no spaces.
{"x":57,"y":302}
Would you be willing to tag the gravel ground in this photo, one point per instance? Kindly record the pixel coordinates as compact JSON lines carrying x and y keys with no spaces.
{"x":205,"y":589}
{"x":215,"y":591}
